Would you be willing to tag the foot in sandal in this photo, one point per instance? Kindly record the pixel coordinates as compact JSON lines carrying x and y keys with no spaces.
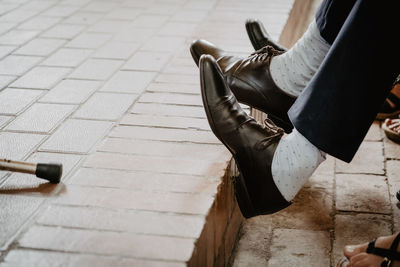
{"x":391,"y":127}
{"x":383,"y":252}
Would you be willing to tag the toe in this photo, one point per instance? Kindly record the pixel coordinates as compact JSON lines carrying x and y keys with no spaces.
{"x":351,"y":250}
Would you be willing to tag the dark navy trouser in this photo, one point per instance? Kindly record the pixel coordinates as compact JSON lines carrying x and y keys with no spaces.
{"x":336,"y":109}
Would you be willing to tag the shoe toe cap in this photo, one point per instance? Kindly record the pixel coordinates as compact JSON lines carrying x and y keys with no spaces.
{"x":203,"y":47}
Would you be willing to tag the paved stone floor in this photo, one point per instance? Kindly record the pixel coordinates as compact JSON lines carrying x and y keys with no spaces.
{"x":341,"y":204}
{"x":108,"y":88}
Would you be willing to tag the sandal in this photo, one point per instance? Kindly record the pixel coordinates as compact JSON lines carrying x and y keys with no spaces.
{"x":391,"y":127}
{"x":389,"y":255}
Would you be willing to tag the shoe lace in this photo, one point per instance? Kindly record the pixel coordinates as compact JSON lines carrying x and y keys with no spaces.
{"x":274,"y":132}
{"x":264,"y":53}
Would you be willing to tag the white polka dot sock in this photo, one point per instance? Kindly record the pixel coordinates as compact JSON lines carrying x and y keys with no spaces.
{"x":292,"y":70}
{"x":294,"y":161}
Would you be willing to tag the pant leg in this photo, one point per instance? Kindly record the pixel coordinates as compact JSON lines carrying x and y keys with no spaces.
{"x":331,"y":16}
{"x":336,"y":109}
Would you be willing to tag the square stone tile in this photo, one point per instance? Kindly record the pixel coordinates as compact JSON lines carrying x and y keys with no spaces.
{"x":124,"y":13}
{"x":134,"y":35}
{"x":169,"y":44}
{"x":17,"y":65}
{"x":77,"y":136}
{"x":353,"y":229}
{"x":89,"y":40}
{"x":16,"y":146}
{"x":18,"y":15}
{"x":299,"y":247}
{"x":66,"y":57}
{"x":6,"y":26}
{"x":41,"y":78}
{"x":100,"y":7}
{"x":147,"y":61}
{"x":17,"y":37}
{"x":163,"y":9}
{"x":41,"y":118}
{"x":60,"y":11}
{"x":79,"y":3}
{"x":40,"y":47}
{"x":6,"y":7}
{"x":116,"y":50}
{"x":253,"y":245}
{"x":39,"y":23}
{"x":71,"y":91}
{"x":15,"y":100}
{"x":6,"y":50}
{"x":6,"y":80}
{"x":105,"y":106}
{"x":374,"y":133}
{"x":362,"y":193}
{"x":392,"y":149}
{"x":96,"y":69}
{"x":177,"y":29}
{"x":369,"y":159}
{"x":83,"y":18}
{"x":129,"y":82}
{"x":37,"y":5}
{"x":108,"y":26}
{"x":63,"y":31}
{"x":193,"y":16}
{"x":4,"y":120}
{"x":393,"y":169}
{"x":150,"y":21}
{"x":16,"y":210}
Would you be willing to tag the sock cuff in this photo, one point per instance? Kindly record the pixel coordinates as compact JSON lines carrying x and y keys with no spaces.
{"x":314,"y":30}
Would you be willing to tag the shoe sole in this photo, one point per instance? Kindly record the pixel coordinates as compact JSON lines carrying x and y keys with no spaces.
{"x":242,"y":196}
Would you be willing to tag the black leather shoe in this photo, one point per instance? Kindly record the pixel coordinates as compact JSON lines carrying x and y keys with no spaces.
{"x":251,"y":144}
{"x":250,"y":80}
{"x":259,"y":36}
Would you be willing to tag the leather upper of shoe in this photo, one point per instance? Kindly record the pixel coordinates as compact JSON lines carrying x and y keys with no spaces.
{"x":251,"y":144}
{"x":259,"y":37}
{"x":250,"y":80}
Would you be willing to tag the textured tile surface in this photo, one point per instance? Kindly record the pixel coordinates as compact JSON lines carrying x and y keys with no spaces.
{"x":76,"y":136}
{"x":71,"y":91}
{"x":105,"y":106}
{"x":41,"y":118}
{"x":41,"y":78}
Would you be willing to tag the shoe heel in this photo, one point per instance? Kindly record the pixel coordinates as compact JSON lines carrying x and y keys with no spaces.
{"x":242,"y":196}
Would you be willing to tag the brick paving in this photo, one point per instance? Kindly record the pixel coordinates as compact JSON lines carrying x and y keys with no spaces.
{"x":341,"y":204}
{"x":109,"y":89}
